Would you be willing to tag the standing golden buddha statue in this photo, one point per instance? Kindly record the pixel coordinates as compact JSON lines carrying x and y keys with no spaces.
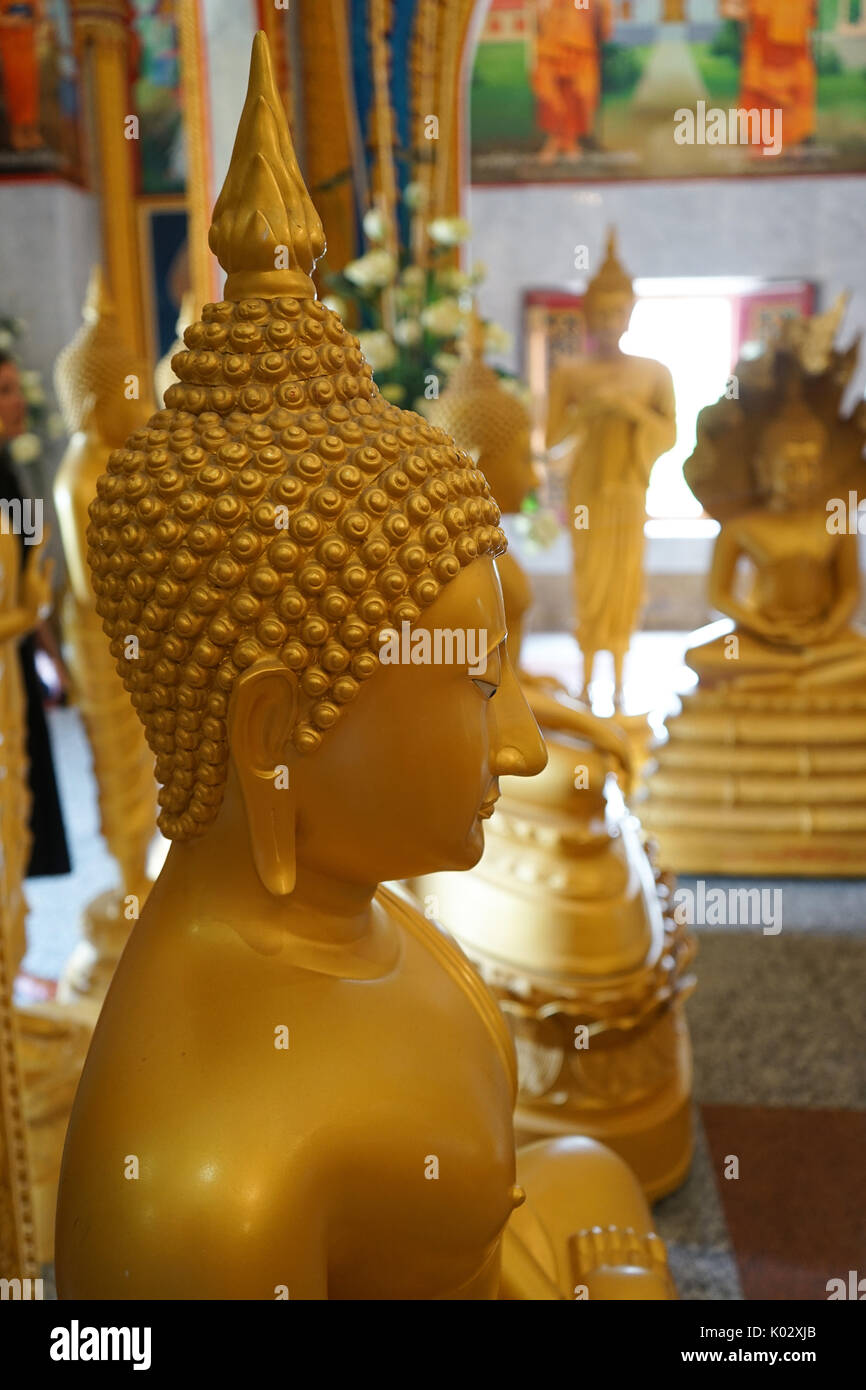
{"x":611,"y":416}
{"x":103,"y":393}
{"x":51,"y":1047}
{"x":764,"y":771}
{"x":564,"y":916}
{"x":298,"y":1086}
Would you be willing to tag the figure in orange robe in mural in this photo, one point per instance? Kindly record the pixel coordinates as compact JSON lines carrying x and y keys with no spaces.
{"x":20,"y":23}
{"x":778,"y":68}
{"x":566,"y":77}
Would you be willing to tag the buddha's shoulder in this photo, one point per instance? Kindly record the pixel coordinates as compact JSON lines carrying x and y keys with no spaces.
{"x":429,"y":934}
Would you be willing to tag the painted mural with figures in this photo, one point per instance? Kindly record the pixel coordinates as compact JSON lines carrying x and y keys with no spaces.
{"x":624,"y":89}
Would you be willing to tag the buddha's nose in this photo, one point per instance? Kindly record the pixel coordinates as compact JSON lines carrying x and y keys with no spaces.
{"x":516,"y":762}
{"x":518,"y":747}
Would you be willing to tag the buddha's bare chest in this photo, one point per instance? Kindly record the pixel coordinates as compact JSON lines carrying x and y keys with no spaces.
{"x":415,"y":1100}
{"x":787,"y":539}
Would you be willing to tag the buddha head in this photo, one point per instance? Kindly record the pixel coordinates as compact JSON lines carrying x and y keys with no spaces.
{"x":488,"y":422}
{"x":791,"y":457}
{"x":254,"y":544}
{"x":100,"y":385}
{"x":609,"y":301}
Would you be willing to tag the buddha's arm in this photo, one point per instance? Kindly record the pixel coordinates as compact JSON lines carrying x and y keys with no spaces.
{"x":562,"y":410}
{"x":847,"y":586}
{"x":16,"y":622}
{"x":656,"y":420}
{"x":585,"y":1230}
{"x":721,"y":586}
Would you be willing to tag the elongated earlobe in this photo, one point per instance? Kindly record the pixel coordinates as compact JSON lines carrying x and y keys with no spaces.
{"x":262,"y":715}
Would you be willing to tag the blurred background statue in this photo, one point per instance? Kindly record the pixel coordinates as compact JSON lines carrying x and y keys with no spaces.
{"x":765,"y":770}
{"x":610,"y":416}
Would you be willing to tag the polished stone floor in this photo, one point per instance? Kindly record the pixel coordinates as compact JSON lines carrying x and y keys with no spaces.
{"x":777,"y":1024}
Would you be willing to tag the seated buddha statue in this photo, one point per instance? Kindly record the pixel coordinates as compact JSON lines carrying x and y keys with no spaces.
{"x":763,"y":771}
{"x":565,"y":916}
{"x":298,"y":1085}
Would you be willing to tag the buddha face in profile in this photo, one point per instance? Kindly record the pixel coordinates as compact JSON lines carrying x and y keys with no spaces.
{"x":792,"y":457}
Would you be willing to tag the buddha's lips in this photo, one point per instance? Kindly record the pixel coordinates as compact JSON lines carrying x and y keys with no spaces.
{"x":486,"y":809}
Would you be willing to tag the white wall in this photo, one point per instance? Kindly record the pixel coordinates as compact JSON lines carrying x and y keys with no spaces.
{"x":49,"y":238}
{"x":771,"y":227}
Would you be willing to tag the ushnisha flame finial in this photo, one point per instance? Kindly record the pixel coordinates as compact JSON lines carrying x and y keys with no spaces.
{"x":265,"y":232}
{"x":611,"y":278}
{"x":98,"y":302}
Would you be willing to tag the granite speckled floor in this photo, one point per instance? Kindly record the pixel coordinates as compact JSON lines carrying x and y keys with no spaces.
{"x":778,"y":1032}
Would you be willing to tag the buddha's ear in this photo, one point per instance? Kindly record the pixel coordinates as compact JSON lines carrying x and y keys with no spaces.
{"x":262,"y":714}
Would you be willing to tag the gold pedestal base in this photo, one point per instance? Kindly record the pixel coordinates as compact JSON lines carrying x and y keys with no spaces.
{"x":762,"y":784}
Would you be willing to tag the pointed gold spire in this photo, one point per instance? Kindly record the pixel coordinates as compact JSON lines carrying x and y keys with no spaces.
{"x":265,"y":232}
{"x":98,"y":303}
{"x":472,"y":345}
{"x":611,"y":278}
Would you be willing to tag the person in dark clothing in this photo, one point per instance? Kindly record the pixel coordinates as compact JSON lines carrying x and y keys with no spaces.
{"x":49,"y":851}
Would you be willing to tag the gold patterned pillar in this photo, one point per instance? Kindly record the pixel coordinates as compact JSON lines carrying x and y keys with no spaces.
{"x":330,"y":122}
{"x":102,"y":36}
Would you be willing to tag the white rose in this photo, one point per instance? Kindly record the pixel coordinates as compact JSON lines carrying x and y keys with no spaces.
{"x":414,"y":277}
{"x":445,"y":362}
{"x":444,"y":318}
{"x":496,"y":338}
{"x":378,"y":348}
{"x":26,"y":448}
{"x":449,"y":231}
{"x":5,"y":339}
{"x":415,"y":195}
{"x":454,"y":280}
{"x":374,"y":224}
{"x":407,"y":332}
{"x":373,"y":271}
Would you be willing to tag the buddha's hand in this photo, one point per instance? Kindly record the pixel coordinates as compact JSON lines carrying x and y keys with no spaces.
{"x":616,"y":1263}
{"x":36,"y":590}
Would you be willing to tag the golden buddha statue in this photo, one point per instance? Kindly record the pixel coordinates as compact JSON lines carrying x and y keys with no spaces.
{"x":103,"y":395}
{"x":764,"y":771}
{"x":564,"y":915}
{"x":298,"y":1086}
{"x":610,"y":416}
{"x":39,"y":1080}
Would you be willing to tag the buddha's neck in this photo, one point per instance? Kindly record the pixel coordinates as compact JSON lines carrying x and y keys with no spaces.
{"x":217,"y":874}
